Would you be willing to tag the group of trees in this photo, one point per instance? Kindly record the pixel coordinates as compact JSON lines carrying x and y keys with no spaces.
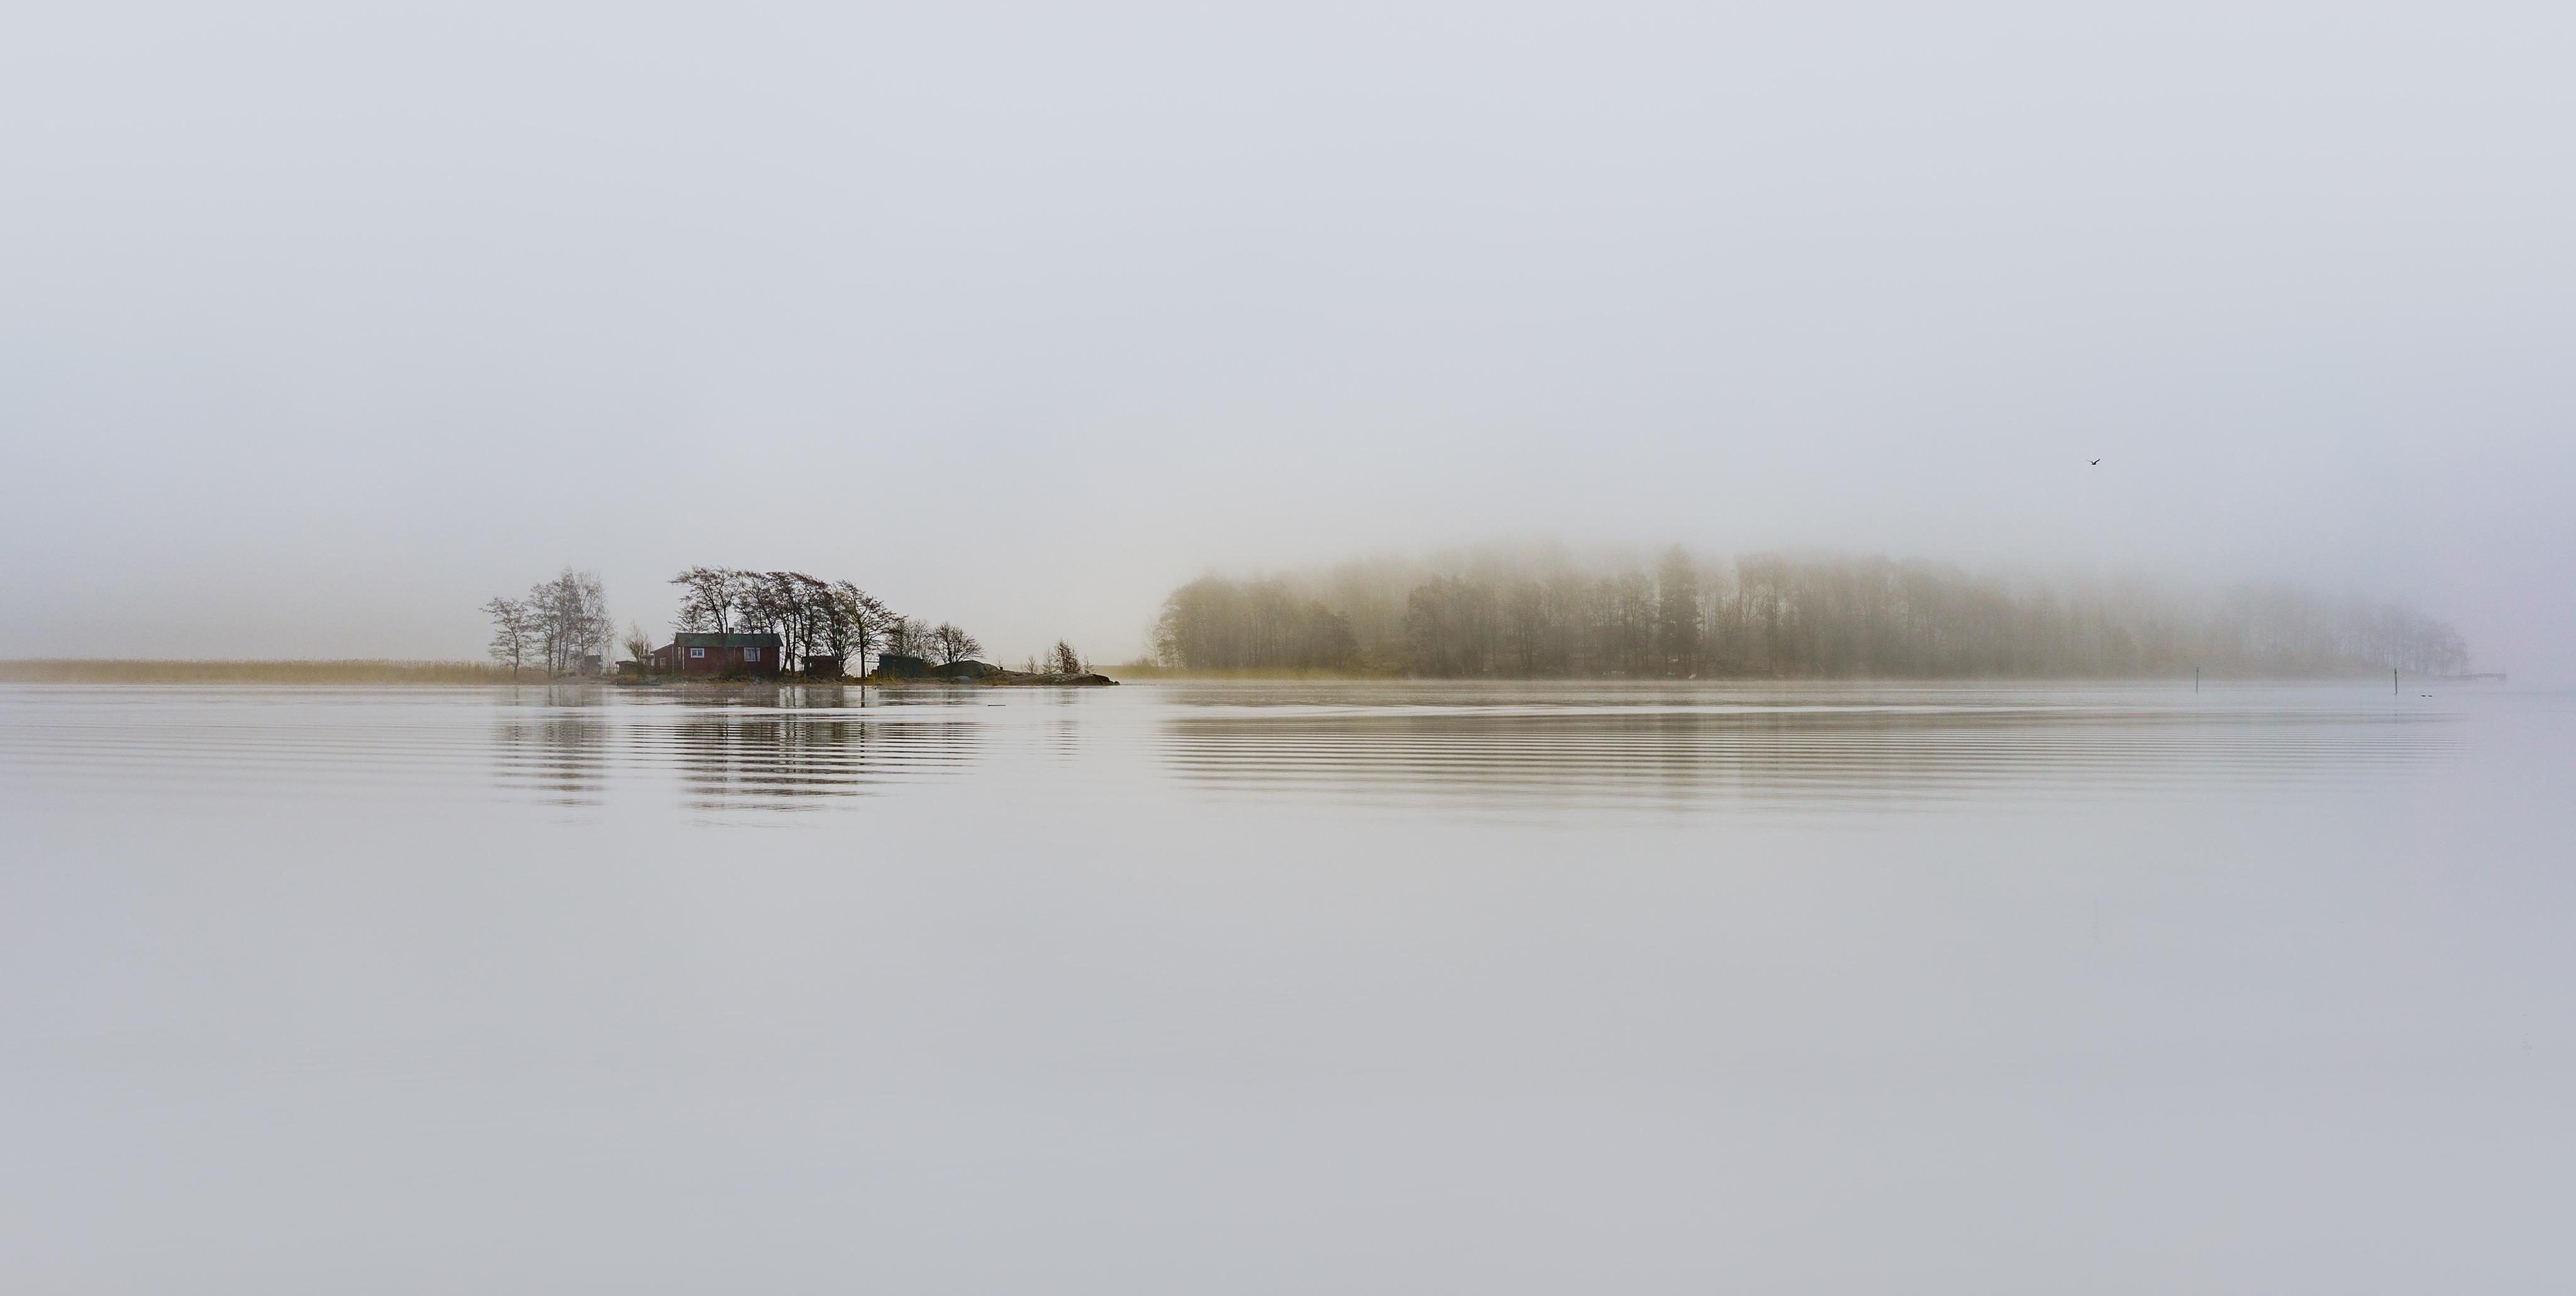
{"x":558,"y":624}
{"x":1775,"y":615}
{"x":565,"y":620}
{"x":1063,"y":659}
{"x":812,"y":617}
{"x":1217,"y":624}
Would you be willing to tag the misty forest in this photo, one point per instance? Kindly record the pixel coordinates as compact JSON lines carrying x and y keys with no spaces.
{"x":1774,"y":615}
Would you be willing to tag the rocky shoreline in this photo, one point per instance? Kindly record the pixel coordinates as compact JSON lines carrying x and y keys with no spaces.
{"x":975,"y":672}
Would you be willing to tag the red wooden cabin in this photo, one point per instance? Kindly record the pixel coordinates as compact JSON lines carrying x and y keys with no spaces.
{"x":718,"y":654}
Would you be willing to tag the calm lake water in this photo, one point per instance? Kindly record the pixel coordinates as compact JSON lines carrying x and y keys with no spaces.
{"x":1288,"y":988}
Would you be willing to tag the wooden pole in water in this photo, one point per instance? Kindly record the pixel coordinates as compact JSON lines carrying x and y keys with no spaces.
{"x":2195,"y":679}
{"x":2392,"y":681}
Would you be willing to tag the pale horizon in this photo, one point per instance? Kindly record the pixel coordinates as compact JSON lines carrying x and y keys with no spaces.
{"x":1845,"y":649}
{"x":320,"y":332}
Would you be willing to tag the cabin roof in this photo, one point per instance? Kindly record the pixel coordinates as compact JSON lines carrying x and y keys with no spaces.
{"x":724,"y":640}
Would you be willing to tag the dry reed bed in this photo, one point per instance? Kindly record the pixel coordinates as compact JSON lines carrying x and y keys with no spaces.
{"x":114,"y":671}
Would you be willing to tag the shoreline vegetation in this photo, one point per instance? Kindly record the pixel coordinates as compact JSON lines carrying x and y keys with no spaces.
{"x":791,"y":626}
{"x":361,"y":670}
{"x":739,"y":626}
{"x":467,"y":674}
{"x":1531,"y":616}
{"x":997,"y":679}
{"x":1771,"y":616}
{"x":1148,"y":671}
{"x":382,"y":671}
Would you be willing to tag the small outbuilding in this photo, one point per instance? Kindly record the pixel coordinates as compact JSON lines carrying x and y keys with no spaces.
{"x":901,"y":666}
{"x":719,"y":654}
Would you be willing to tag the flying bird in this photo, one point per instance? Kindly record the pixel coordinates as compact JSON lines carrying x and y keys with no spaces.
{"x":2097,"y":463}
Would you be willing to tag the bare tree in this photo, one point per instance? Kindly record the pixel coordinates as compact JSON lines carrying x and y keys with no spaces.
{"x":513,"y":632}
{"x":772,"y":602}
{"x":639,"y":645}
{"x":951,"y":644}
{"x":907,"y":636}
{"x":853,"y":622}
{"x":571,"y":621}
{"x":1063,"y":659}
{"x":709,"y":598}
{"x":812,"y":617}
{"x":808,"y":601}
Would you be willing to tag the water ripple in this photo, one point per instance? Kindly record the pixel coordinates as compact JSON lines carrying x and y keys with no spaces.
{"x":795,"y":750}
{"x":1877,"y":754}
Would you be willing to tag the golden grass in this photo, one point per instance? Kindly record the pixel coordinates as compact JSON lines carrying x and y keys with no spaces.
{"x":116,"y":671}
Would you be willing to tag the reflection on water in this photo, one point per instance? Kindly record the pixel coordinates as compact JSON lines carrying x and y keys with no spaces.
{"x":1697,"y":983}
{"x":780,"y":749}
{"x":569,"y":746}
{"x":724,"y":760}
{"x":1864,"y":751}
{"x":794,"y":746}
{"x":801,"y":748}
{"x":563,"y":758}
{"x":778,"y":762}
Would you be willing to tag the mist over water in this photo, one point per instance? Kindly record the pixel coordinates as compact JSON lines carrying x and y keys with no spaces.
{"x":1776,"y":616}
{"x":319,"y":333}
{"x":1286,"y":986}
{"x":1636,"y":406}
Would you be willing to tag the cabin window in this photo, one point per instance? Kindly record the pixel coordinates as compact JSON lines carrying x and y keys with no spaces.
{"x":697,"y":652}
{"x":751,"y":654}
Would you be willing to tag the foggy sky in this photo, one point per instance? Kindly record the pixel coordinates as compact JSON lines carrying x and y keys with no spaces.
{"x":319,"y":327}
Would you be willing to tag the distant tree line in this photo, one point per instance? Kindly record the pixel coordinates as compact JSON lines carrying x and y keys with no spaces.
{"x":812,"y":617}
{"x":559,"y":624}
{"x":1775,"y":615}
{"x":1217,"y":624}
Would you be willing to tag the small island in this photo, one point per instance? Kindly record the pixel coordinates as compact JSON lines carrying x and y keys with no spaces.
{"x":898,"y":668}
{"x":736,"y":626}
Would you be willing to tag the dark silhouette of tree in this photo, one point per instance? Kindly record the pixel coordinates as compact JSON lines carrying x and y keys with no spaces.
{"x":907,"y":636}
{"x":513,"y":632}
{"x":950,"y":644}
{"x":854,"y":622}
{"x":812,"y":617}
{"x":708,"y":599}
